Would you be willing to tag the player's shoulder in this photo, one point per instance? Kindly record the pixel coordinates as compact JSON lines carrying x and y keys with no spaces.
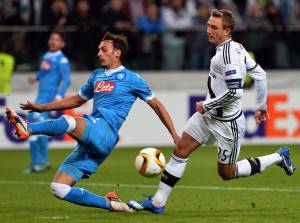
{"x":232,"y":51}
{"x":63,"y":59}
{"x":98,"y":72}
{"x":132,"y":75}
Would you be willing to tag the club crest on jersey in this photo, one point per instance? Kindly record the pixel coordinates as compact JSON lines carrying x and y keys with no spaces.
{"x":120,"y":76}
{"x":105,"y":86}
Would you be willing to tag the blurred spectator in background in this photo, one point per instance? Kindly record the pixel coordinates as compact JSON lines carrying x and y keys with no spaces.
{"x":83,"y":50}
{"x":151,"y":27}
{"x":135,"y":9}
{"x":198,"y":46}
{"x":278,"y":35}
{"x":177,"y":23}
{"x":258,"y":29}
{"x":114,"y":18}
{"x":11,"y":12}
{"x":57,"y":16}
{"x":230,"y":5}
{"x":294,"y":35}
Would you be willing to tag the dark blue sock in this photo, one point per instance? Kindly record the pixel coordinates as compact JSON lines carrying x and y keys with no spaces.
{"x":51,"y":127}
{"x":43,"y":143}
{"x":85,"y":198}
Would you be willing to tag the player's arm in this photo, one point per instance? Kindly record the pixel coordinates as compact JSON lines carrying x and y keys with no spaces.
{"x":67,"y":103}
{"x":233,"y":79}
{"x":86,"y":92}
{"x":260,"y":80}
{"x":164,"y":116}
{"x":65,"y":72}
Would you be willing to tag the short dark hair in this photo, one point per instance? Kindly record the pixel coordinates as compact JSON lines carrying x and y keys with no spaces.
{"x":119,"y":41}
{"x":61,"y":34}
{"x":227,"y":17}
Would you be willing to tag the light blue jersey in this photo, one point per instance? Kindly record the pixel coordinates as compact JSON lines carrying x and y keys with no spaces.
{"x":114,"y":92}
{"x":53,"y":76}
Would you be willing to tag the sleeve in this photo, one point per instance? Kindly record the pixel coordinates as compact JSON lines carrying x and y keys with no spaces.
{"x":233,"y":79}
{"x":86,"y":91}
{"x":38,"y":75}
{"x":65,"y":72}
{"x":142,"y":90}
{"x":260,"y":80}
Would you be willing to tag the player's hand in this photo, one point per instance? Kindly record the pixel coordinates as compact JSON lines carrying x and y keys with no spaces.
{"x":261,"y":116}
{"x":31,"y":107}
{"x":31,"y":79}
{"x":200,"y":107}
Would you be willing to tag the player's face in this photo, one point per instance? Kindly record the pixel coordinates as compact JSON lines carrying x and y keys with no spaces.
{"x":109,"y":56}
{"x":215,"y":31}
{"x":55,"y":42}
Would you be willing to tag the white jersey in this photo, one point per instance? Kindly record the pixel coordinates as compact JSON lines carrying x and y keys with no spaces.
{"x":226,"y":79}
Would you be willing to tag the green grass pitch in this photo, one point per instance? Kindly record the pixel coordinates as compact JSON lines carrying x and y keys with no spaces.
{"x":201,"y":196}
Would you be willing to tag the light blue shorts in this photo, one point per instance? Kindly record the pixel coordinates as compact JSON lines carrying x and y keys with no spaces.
{"x":96,"y":144}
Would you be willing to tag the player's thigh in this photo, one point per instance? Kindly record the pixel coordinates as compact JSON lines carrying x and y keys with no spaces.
{"x":186,"y":145}
{"x":197,"y":128}
{"x":79,"y":164}
{"x":80,"y":128}
{"x":63,"y":178}
{"x":229,"y":137}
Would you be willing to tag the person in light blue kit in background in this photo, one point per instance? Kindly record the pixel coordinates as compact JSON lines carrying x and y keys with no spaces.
{"x":113,"y":89}
{"x":54,"y":80}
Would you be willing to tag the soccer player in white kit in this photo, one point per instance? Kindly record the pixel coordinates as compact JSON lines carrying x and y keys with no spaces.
{"x":220,"y":118}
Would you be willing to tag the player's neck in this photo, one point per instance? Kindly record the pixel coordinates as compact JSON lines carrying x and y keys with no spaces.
{"x":113,"y":70}
{"x":223,"y":42}
{"x":113,"y":66}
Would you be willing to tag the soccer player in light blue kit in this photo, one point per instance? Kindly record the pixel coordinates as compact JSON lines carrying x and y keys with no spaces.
{"x":54,"y":80}
{"x":114,"y":89}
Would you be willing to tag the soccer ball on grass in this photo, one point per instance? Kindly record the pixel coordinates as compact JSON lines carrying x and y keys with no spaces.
{"x":150,"y":162}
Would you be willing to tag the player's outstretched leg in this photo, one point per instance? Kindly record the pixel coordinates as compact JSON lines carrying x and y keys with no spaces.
{"x":251,"y":166}
{"x":64,"y":124}
{"x":84,"y":197}
{"x":172,"y":173}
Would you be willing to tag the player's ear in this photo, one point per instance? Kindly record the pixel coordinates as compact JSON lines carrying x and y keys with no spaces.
{"x":227,"y":31}
{"x":118,"y":53}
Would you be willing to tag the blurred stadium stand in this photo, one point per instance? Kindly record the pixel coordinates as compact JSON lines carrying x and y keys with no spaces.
{"x":163,"y":34}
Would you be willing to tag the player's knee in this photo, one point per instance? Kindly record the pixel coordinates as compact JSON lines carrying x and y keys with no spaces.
{"x":226,"y":175}
{"x":60,"y":190}
{"x":71,"y":122}
{"x":180,"y":152}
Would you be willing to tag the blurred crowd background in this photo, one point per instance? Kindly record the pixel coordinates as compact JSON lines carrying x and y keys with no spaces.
{"x":163,"y":34}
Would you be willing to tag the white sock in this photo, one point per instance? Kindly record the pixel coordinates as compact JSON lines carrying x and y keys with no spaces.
{"x":268,"y":160}
{"x":244,"y":167}
{"x":174,"y":167}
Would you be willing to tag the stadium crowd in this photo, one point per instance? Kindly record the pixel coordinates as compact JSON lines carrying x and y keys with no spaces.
{"x":163,"y":34}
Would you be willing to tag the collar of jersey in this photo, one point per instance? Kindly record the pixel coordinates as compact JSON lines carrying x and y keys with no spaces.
{"x":51,"y":54}
{"x":223,"y":43}
{"x":109,"y":72}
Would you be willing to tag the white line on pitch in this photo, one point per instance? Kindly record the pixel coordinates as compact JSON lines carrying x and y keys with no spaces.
{"x":259,"y":189}
{"x":55,"y":217}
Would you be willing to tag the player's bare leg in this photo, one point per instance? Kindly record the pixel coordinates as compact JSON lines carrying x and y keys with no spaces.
{"x":251,"y":166}
{"x":172,"y":173}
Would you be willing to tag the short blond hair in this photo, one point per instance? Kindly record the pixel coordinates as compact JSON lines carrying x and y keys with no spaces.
{"x":227,"y":17}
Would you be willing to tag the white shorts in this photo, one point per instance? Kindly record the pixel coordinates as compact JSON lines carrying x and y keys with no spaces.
{"x":228,"y":135}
